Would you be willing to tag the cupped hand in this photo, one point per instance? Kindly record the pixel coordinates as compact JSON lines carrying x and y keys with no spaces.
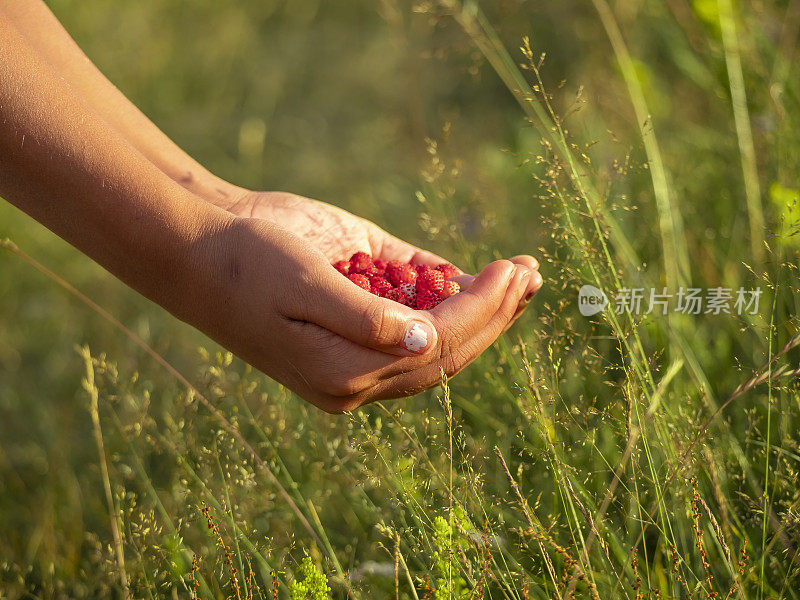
{"x":338,"y":234}
{"x":274,"y":299}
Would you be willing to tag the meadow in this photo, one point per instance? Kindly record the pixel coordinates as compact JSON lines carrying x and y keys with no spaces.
{"x":635,"y":453}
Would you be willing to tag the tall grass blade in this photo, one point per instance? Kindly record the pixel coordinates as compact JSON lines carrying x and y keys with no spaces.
{"x":744,"y":132}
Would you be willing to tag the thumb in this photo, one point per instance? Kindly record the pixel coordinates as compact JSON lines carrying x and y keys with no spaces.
{"x":335,"y":303}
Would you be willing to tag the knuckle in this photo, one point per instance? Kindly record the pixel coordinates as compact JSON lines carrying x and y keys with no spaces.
{"x":325,"y":402}
{"x":452,"y":332}
{"x":455,"y":362}
{"x":460,"y":334}
{"x":449,"y":343}
{"x":508,"y":311}
{"x":351,"y":404}
{"x":330,"y":405}
{"x":305,"y":281}
{"x":374,"y":324}
{"x":343,"y":387}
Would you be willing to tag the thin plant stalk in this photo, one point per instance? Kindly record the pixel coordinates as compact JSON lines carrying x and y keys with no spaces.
{"x":94,"y":396}
{"x":676,"y":254}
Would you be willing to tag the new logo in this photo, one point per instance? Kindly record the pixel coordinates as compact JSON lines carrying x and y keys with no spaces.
{"x":591,"y":300}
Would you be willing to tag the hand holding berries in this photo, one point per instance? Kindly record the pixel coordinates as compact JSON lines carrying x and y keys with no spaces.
{"x":266,"y":290}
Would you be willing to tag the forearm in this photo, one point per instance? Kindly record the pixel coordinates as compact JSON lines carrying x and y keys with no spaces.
{"x":34,"y":21}
{"x":64,"y":166}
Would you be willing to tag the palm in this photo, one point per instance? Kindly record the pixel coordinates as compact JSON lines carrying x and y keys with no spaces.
{"x":337,"y":234}
{"x":333,"y":231}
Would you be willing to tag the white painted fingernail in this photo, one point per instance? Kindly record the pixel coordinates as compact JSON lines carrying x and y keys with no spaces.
{"x":419,"y":337}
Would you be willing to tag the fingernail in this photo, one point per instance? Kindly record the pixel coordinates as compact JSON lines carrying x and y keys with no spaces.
{"x":524,"y":277}
{"x":419,"y":337}
{"x":537,"y":284}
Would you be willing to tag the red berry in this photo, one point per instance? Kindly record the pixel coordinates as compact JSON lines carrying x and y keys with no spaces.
{"x":396,"y":295}
{"x":360,"y":280}
{"x":430,"y":280}
{"x":394,"y":263}
{"x":422,"y":269}
{"x":380,"y":284}
{"x":410,"y":292}
{"x":448,"y":270}
{"x":360,"y":262}
{"x":343,"y":266}
{"x":401,"y":274}
{"x":451,"y":288}
{"x":379,"y":264}
{"x":426,"y":300}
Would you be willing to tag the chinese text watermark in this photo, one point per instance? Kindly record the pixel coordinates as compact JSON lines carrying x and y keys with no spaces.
{"x":685,"y":300}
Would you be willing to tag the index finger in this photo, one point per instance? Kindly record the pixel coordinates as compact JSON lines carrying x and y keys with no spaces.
{"x":462,"y":316}
{"x":459,"y":318}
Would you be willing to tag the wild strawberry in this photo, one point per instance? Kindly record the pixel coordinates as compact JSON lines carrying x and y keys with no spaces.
{"x":451,"y":288}
{"x":430,"y":280}
{"x":401,"y":274}
{"x":394,"y":263}
{"x":360,"y":262}
{"x":360,"y":280}
{"x":379,"y":264}
{"x":447,"y":270}
{"x":343,"y":266}
{"x":410,"y":292}
{"x":397,"y":295}
{"x":380,"y":284}
{"x":426,"y":300}
{"x":422,"y":269}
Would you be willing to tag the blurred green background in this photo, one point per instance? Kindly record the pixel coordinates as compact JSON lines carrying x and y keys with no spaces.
{"x":335,"y":101}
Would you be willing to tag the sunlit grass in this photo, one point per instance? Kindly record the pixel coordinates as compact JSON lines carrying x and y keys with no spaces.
{"x":618,"y":456}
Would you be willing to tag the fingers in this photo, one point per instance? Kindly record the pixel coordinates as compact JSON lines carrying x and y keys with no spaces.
{"x":346,"y":375}
{"x":534,"y":284}
{"x":483,"y":338}
{"x":463,"y":281}
{"x":532,"y":264}
{"x":412,"y":382}
{"x":341,"y":372}
{"x":460,"y":317}
{"x":527,"y":260}
{"x":336,"y":304}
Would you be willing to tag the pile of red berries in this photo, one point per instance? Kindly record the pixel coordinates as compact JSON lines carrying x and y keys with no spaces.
{"x":420,"y":287}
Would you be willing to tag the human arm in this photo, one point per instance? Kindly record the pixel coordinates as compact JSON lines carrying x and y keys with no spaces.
{"x":334,"y":231}
{"x":55,"y":47}
{"x":260,"y":290}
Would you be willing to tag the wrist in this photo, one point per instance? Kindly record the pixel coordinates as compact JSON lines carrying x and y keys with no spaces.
{"x":218,"y":192}
{"x":191,"y":285}
{"x":204,"y":184}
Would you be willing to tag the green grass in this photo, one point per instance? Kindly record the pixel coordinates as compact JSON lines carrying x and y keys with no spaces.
{"x":617,"y":456}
